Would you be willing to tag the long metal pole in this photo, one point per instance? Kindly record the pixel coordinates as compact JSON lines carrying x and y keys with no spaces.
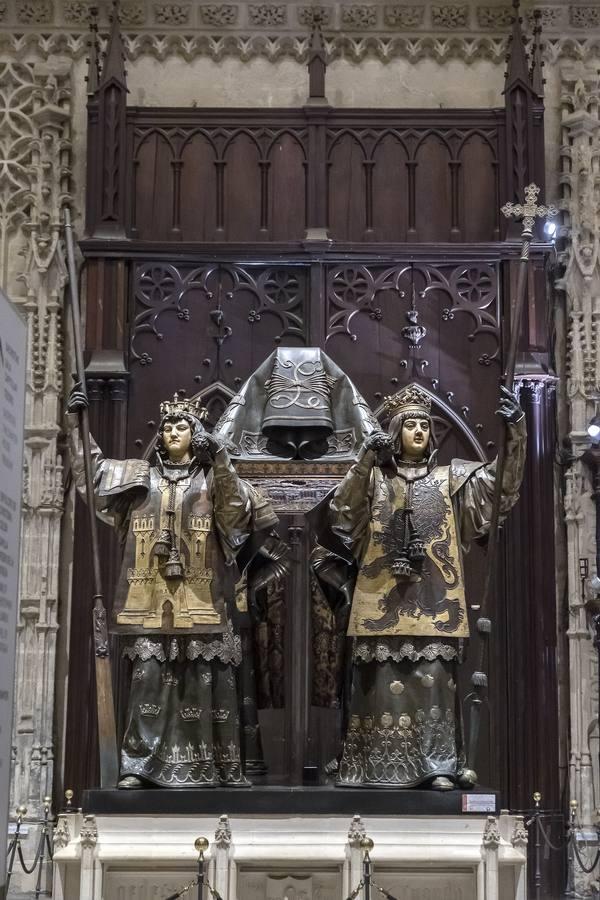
{"x":107,"y":734}
{"x":529,"y":211}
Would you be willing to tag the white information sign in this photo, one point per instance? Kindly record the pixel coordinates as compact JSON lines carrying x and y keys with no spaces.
{"x":479,"y":803}
{"x":12,"y":403}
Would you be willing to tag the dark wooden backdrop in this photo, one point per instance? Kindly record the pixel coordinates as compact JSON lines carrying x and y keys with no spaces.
{"x":214,"y":235}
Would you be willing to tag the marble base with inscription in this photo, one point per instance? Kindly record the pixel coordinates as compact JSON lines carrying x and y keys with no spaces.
{"x":276,"y":857}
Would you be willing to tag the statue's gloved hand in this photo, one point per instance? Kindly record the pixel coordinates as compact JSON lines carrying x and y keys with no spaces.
{"x":275,"y":563}
{"x":382,"y":445}
{"x":205,"y":446}
{"x":77,"y":400}
{"x":510,"y":408}
{"x":267,"y":575}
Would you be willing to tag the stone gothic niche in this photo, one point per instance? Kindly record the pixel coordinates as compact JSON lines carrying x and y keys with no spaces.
{"x":580,"y":154}
{"x":35,"y":181}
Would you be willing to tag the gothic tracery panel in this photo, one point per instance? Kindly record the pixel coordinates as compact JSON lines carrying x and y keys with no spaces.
{"x":215,"y":323}
{"x":435,"y":324}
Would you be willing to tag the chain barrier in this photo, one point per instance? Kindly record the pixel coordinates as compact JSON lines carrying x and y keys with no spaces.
{"x":576,"y":859}
{"x":366,"y":882}
{"x":200,"y":881}
{"x":43,"y":851}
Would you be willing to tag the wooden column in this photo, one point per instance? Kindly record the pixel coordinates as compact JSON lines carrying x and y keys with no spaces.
{"x":520,"y":100}
{"x":107,"y":138}
{"x":316,"y":112}
{"x":530,"y":611}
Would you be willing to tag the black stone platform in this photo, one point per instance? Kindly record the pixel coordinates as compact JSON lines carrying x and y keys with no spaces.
{"x":291,"y":801}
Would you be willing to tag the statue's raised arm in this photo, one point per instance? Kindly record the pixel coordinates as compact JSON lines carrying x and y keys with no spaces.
{"x":406,"y":522}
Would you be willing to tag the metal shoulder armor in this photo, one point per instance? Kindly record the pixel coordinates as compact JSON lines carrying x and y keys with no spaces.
{"x":121,"y":475}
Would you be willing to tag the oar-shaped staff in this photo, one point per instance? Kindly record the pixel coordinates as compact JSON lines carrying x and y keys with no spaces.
{"x":528,"y":212}
{"x":107,"y":736}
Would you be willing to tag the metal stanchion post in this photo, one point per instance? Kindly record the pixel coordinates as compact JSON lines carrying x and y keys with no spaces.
{"x":367,"y":845}
{"x":201,"y":845}
{"x":69,"y":804}
{"x":44,"y":845}
{"x":15,"y":843}
{"x":537,"y":875}
{"x":571,"y":838}
{"x":366,"y":882}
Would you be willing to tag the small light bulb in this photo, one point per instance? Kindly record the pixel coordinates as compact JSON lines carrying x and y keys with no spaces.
{"x":593,"y":428}
{"x":550,"y":229}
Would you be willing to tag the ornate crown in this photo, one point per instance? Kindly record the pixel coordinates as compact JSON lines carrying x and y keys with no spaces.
{"x":191,"y":713}
{"x":179,"y":407}
{"x":410,"y":399}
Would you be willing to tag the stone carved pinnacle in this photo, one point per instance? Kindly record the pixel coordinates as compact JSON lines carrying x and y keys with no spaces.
{"x":223,"y":833}
{"x":519,"y":836}
{"x":491,"y":834}
{"x":537,"y":57}
{"x":62,"y":833}
{"x":356,"y":832}
{"x":89,"y":832}
{"x":317,"y":61}
{"x":317,"y":44}
{"x":93,"y":60}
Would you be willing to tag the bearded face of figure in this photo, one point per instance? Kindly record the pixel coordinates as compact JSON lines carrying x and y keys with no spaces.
{"x":414,"y":438}
{"x":177,"y":440}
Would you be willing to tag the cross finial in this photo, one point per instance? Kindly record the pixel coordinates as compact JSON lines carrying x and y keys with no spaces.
{"x":529,"y":211}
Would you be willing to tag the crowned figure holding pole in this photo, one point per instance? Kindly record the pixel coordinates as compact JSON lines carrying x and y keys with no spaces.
{"x":189,"y":528}
{"x":405,"y":523}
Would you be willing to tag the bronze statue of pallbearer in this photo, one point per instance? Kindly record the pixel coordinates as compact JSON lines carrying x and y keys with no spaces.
{"x":406,"y":523}
{"x":186,"y":521}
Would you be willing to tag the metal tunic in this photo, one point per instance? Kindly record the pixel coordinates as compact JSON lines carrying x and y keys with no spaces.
{"x":214,"y":517}
{"x":452,"y":506}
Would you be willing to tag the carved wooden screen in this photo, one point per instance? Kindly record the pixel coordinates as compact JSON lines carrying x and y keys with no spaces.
{"x":217,"y":235}
{"x":245,"y":175}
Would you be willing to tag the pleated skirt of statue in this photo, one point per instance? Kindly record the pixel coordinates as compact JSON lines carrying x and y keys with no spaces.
{"x":183,"y":722}
{"x":404,"y":725}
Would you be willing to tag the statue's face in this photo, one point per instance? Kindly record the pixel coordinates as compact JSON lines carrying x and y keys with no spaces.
{"x":177,"y":439}
{"x":414,"y":438}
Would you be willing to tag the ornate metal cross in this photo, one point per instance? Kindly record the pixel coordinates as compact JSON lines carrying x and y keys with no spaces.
{"x":528,"y":212}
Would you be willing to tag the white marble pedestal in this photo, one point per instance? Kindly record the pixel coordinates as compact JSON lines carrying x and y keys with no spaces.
{"x":253,"y":857}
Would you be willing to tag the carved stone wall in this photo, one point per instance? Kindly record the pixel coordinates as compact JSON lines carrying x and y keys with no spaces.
{"x":580,"y":156}
{"x":35,"y":153}
{"x":439,"y":29}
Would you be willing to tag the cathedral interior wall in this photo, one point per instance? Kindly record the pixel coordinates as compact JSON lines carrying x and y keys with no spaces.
{"x":400,"y":82}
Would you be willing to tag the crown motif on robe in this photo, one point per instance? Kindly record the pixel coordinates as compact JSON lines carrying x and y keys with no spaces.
{"x":411,"y":399}
{"x":179,"y":407}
